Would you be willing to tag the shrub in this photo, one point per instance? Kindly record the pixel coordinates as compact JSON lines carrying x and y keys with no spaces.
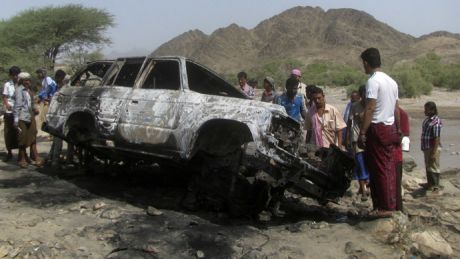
{"x":410,"y":81}
{"x":430,"y":68}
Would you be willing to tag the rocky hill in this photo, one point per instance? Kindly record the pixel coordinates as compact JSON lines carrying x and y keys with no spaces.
{"x":307,"y":34}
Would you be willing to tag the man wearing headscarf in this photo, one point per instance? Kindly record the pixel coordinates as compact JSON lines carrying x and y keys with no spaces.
{"x":24,"y":120}
{"x":301,"y":87}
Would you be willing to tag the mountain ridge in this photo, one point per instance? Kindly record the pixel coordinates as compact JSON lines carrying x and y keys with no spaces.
{"x":308,"y":34}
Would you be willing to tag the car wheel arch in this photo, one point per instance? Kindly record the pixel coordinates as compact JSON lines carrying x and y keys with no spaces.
{"x":80,"y":122}
{"x":221,"y":136}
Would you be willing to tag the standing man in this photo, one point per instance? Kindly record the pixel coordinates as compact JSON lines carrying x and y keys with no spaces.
{"x":56,"y":148}
{"x":324,"y":122}
{"x":354,"y":123}
{"x":10,"y":132}
{"x":301,"y":87}
{"x":291,"y":101}
{"x":377,"y":135}
{"x":354,"y":97}
{"x":47,"y":91}
{"x":243,"y":82}
{"x":431,"y":143}
{"x":24,"y":120}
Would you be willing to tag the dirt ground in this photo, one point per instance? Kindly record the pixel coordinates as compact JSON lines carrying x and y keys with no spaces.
{"x":136,"y":213}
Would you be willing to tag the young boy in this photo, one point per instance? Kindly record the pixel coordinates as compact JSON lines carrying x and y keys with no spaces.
{"x":431,"y":143}
{"x":354,"y":122}
{"x":269,"y":90}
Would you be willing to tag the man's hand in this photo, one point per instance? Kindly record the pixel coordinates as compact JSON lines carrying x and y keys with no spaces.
{"x":15,"y":125}
{"x":433,"y":155}
{"x":362,"y":141}
{"x":8,"y":107}
{"x":400,"y":134}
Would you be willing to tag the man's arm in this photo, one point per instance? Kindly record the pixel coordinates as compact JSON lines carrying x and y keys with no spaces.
{"x":303,"y":110}
{"x":18,"y":102}
{"x":308,"y":128}
{"x":5,"y":103}
{"x":348,"y":131}
{"x":339,"y":138}
{"x":41,"y":95}
{"x":339,"y":126}
{"x":304,"y":114}
{"x":435,"y":147}
{"x":5,"y":98}
{"x":367,"y":119}
{"x":436,"y":140}
{"x":398,"y":118}
{"x":51,"y":90}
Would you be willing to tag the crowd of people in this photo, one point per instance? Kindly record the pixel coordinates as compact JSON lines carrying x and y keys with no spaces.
{"x":373,"y":128}
{"x":23,"y":108}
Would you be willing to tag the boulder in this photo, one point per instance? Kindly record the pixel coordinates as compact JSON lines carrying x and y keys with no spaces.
{"x":380,"y":228}
{"x":152,"y":211}
{"x":388,"y":230}
{"x":450,"y":203}
{"x":410,"y":182}
{"x":408,"y":162}
{"x":431,"y":244}
{"x":111,"y":214}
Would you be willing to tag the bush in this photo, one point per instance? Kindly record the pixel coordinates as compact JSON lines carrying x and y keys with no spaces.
{"x":451,"y":76}
{"x":430,"y":68}
{"x":410,"y":81}
{"x":324,"y":73}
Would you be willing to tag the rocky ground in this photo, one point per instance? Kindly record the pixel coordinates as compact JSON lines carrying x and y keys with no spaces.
{"x":136,"y":213}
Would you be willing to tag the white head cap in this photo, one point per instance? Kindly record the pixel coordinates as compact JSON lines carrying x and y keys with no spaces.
{"x":24,"y":76}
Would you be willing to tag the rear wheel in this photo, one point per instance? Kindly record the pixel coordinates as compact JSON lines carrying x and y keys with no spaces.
{"x":223,"y":184}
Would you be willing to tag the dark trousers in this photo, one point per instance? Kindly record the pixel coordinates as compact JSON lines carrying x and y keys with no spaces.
{"x":399,"y":173}
{"x":381,"y":165}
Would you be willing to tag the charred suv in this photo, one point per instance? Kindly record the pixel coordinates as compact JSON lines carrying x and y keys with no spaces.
{"x":172,"y":110}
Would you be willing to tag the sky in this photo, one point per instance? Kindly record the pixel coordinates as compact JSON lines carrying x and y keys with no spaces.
{"x":143,"y":25}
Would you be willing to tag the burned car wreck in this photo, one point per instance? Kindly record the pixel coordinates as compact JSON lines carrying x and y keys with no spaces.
{"x":172,"y":110}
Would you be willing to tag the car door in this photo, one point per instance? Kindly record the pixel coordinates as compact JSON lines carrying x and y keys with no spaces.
{"x":152,"y":111}
{"x":108,"y":101}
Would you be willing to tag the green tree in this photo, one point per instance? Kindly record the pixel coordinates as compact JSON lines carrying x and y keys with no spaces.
{"x":50,"y":31}
{"x":79,"y":57}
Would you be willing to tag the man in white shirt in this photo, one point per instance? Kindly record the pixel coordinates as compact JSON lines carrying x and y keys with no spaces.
{"x":379,"y":133}
{"x":10,"y":132}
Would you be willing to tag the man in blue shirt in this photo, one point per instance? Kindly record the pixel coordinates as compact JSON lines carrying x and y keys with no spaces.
{"x":293,"y":103}
{"x":49,"y":87}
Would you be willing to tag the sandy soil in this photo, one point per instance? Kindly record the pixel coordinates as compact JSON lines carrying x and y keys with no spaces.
{"x":117,"y":213}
